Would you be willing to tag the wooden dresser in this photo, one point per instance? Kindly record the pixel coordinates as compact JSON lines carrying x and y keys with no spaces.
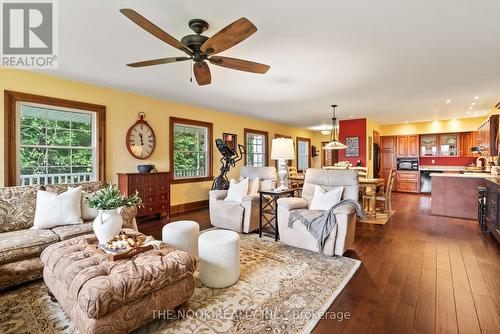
{"x":153,"y":188}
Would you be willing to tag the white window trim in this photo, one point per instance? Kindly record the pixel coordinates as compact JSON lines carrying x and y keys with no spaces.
{"x":206,"y":151}
{"x":263,"y":154}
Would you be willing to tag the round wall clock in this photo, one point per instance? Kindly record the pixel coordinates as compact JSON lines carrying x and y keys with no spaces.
{"x":141,"y":139}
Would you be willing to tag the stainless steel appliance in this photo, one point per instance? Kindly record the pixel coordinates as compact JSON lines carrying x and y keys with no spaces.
{"x":426,"y":180}
{"x":407,"y":164}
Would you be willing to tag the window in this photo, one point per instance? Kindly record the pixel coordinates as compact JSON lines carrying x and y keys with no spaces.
{"x":256,"y":148}
{"x":303,"y":153}
{"x":190,"y":150}
{"x":53,"y":141}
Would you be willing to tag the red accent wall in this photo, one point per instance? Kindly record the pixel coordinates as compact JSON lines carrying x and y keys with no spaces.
{"x":451,"y":161}
{"x":353,"y":128}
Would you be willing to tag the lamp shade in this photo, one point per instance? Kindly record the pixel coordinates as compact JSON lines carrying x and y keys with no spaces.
{"x":282,"y":148}
{"x":334,"y":145}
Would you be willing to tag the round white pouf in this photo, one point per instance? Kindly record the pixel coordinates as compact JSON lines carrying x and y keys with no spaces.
{"x":182,"y":235}
{"x":219,"y":258}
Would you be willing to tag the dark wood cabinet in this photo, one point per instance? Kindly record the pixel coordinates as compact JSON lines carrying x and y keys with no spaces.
{"x":407,"y":146}
{"x":387,"y":156}
{"x":492,"y":210}
{"x":408,"y":181}
{"x":153,"y":188}
{"x":468,"y":140}
{"x":487,"y":136}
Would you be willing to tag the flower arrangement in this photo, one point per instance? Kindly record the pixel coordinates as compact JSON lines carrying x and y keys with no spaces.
{"x":344,"y":164}
{"x":111,"y":198}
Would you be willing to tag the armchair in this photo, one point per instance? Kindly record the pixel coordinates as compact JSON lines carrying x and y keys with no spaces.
{"x":341,"y":238}
{"x":244,"y":216}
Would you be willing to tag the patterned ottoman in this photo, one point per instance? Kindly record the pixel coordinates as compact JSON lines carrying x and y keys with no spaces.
{"x":103,"y":296}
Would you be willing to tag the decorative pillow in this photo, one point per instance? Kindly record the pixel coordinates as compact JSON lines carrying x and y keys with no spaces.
{"x":324,"y":200}
{"x":54,"y":209}
{"x":253,"y":185}
{"x":237,"y":190}
{"x":88,"y":213}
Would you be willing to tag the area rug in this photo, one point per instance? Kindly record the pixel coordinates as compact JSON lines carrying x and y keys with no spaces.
{"x":281,"y":290}
{"x":380,"y":220}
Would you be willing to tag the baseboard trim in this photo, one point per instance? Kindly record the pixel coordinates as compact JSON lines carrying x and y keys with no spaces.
{"x":191,"y":206}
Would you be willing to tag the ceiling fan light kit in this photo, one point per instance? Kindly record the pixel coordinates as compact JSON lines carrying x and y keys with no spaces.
{"x":200,"y":48}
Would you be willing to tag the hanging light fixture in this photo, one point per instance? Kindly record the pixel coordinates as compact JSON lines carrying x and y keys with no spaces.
{"x":334,"y":143}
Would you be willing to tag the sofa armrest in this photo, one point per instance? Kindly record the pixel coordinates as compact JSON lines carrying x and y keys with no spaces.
{"x":250,"y":198}
{"x":128,"y":216}
{"x":292,"y":203}
{"x":217,"y":195}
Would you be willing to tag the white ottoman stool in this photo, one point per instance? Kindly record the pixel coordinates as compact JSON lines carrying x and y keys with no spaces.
{"x":219,"y":258}
{"x":182,"y":235}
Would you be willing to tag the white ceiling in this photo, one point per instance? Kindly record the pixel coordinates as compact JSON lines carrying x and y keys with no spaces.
{"x":391,"y":60}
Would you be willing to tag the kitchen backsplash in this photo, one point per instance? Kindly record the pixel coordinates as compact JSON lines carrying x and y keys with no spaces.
{"x":450,"y":161}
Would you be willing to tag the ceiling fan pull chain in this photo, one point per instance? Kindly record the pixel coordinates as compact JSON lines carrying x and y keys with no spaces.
{"x":191,"y":72}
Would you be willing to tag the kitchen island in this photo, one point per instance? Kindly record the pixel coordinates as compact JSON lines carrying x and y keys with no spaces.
{"x":455,"y":195}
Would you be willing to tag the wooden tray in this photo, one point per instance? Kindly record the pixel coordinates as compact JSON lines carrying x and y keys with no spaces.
{"x":92,"y":241}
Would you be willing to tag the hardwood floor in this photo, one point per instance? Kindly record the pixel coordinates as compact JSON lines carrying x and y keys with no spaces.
{"x":420,"y":274}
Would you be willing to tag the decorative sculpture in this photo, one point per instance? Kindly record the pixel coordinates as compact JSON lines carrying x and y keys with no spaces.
{"x":229,"y":159}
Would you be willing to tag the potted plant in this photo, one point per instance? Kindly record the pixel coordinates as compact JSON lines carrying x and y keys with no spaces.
{"x":109,"y":201}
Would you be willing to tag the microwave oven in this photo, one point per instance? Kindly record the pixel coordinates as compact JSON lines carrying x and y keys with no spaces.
{"x":407,"y":164}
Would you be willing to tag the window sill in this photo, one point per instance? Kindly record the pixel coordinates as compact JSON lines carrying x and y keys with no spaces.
{"x":192,"y":179}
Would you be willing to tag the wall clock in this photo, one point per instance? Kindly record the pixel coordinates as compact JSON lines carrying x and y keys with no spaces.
{"x":141,"y":139}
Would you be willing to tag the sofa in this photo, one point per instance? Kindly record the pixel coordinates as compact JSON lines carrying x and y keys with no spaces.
{"x":20,"y":246}
{"x":244,"y":216}
{"x":341,"y":238}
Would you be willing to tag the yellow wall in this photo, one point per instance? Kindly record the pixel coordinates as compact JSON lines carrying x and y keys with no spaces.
{"x":121,"y":113}
{"x":441,"y":126}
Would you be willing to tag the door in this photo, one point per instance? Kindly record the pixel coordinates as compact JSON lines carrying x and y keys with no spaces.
{"x":402,"y":147}
{"x":412,"y":142}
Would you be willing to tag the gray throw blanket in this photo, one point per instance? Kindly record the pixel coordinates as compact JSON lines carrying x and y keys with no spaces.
{"x":320,"y":223}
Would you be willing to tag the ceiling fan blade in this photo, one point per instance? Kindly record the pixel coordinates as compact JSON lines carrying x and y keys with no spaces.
{"x":158,"y":61}
{"x":154,"y":30}
{"x":231,"y":35}
{"x":239,"y":64}
{"x":202,"y":73}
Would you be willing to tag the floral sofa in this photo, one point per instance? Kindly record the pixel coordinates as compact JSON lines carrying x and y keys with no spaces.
{"x":20,"y":246}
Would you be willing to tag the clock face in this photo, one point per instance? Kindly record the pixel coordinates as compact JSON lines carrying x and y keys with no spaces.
{"x":141,"y":140}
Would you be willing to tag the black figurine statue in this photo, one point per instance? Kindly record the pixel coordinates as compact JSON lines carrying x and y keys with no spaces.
{"x":229,"y":159}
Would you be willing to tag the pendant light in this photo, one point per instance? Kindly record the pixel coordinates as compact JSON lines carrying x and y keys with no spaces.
{"x":334,"y":143}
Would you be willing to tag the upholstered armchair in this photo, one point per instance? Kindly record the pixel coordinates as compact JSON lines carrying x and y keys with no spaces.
{"x":244,"y":216}
{"x":342,"y":237}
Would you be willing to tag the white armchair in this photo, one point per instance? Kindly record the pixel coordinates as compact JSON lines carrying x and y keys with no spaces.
{"x":341,"y":238}
{"x":244,"y":216}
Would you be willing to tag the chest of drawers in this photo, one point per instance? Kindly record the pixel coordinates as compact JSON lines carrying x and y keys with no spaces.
{"x":153,"y":188}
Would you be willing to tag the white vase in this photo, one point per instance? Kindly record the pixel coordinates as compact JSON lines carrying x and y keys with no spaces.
{"x":107,"y":224}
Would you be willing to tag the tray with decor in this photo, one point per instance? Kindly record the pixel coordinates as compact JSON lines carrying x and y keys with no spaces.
{"x":121,"y":246}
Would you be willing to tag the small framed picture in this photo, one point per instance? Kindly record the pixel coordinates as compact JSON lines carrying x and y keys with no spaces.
{"x":230,"y":140}
{"x":352,"y":149}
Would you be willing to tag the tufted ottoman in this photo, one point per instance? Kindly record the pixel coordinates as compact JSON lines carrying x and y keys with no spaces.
{"x":103,"y":296}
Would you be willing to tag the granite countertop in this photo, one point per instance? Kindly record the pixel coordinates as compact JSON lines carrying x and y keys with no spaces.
{"x":445,"y":168}
{"x":465,"y":175}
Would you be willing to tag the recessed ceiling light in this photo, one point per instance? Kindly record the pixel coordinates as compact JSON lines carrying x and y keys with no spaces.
{"x":473,"y":104}
{"x":475,"y":114}
{"x":468,"y":112}
{"x":476,"y":97}
{"x":448,"y":101}
{"x":406,"y":122}
{"x":470,"y":108}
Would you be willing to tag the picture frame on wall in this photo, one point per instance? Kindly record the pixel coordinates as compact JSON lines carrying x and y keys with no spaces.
{"x":230,"y":139}
{"x":352,"y":149}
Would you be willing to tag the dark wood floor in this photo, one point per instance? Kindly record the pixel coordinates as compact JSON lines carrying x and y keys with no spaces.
{"x":420,"y":274}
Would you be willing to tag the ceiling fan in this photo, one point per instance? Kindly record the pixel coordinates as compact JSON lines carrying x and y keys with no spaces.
{"x":201,"y":48}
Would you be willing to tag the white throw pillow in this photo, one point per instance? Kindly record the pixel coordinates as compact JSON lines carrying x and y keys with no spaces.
{"x":237,"y":190}
{"x":324,"y":200}
{"x":54,"y":209}
{"x":88,"y":213}
{"x":253,"y":185}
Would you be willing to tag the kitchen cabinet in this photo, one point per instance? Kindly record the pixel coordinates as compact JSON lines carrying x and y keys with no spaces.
{"x":468,"y":140}
{"x":492,"y":218}
{"x":448,"y":145}
{"x":387,"y":156}
{"x":487,"y":136}
{"x":429,"y":146}
{"x":407,"y":146}
{"x":408,"y":181}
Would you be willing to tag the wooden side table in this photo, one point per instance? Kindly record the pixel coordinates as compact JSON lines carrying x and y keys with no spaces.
{"x":269,"y":209}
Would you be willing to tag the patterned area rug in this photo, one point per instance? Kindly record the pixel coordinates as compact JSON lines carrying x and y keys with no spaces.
{"x":281,"y":289}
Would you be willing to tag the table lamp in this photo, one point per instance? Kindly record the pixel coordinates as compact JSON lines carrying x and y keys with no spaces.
{"x":282,"y":150}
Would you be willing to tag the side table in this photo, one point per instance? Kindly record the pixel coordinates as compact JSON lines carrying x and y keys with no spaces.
{"x":269,"y":209}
